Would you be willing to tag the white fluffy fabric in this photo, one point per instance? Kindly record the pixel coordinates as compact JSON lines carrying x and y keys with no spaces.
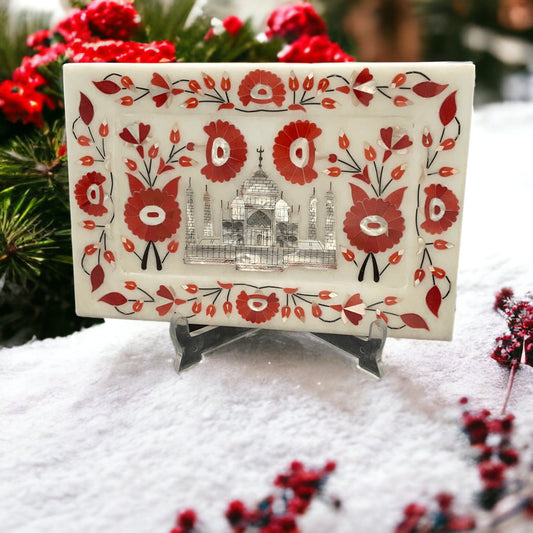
{"x":99,"y":434}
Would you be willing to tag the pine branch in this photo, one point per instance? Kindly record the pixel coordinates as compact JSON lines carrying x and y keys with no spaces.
{"x":33,"y":161}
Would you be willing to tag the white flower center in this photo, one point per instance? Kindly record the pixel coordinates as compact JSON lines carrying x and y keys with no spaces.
{"x":152,"y":215}
{"x":374,"y":225}
{"x":261,"y":92}
{"x":437,"y":208}
{"x":94,"y":194}
{"x":299,"y":152}
{"x":257,"y":304}
{"x":220,"y":151}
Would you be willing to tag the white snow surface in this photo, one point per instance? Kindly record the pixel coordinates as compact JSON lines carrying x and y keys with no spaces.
{"x":99,"y":434}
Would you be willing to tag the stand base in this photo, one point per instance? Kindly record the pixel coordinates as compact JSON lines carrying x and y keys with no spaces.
{"x":192,"y":346}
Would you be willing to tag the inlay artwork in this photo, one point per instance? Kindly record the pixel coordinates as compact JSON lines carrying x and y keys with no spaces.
{"x":301,"y":197}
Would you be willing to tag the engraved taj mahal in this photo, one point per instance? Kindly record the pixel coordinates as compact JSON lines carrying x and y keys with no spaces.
{"x":259,"y":230}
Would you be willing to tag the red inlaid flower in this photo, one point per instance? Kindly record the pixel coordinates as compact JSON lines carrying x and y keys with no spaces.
{"x":374,"y":224}
{"x":89,"y":194}
{"x":262,"y":87}
{"x":152,"y":214}
{"x":363,"y":87}
{"x":441,"y":209}
{"x":164,"y":90}
{"x":294,"y":151}
{"x":257,"y":307}
{"x":225,"y":151}
{"x":353,"y":310}
{"x":394,"y":140}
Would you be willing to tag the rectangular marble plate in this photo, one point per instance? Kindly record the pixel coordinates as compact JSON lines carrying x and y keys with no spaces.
{"x":301,"y":197}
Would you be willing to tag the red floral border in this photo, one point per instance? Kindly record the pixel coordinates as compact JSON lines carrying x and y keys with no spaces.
{"x":374,"y":180}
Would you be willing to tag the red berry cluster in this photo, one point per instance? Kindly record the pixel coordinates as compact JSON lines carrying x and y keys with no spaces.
{"x":491,"y":438}
{"x":278,"y":514}
{"x":275,"y":513}
{"x":420,"y":519}
{"x":517,"y":346}
{"x":185,"y":522}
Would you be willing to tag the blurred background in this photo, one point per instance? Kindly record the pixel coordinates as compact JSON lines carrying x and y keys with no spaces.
{"x":497,"y":35}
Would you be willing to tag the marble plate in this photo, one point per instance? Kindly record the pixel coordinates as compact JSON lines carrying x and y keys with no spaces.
{"x":300,"y":197}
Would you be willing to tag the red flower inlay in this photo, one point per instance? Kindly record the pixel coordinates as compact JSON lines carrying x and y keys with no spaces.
{"x":163,"y":96}
{"x":353,"y":310}
{"x":225,"y":151}
{"x":257,"y":307}
{"x":152,"y":214}
{"x":394,"y":140}
{"x":363,"y":87}
{"x":294,"y":151}
{"x":262,"y":87}
{"x":441,"y":209}
{"x":374,"y":224}
{"x":89,"y":194}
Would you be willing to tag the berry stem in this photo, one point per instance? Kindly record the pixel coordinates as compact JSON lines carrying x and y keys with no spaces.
{"x":509,"y":386}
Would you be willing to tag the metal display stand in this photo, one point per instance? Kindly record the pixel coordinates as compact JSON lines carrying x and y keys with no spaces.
{"x":191,"y":346}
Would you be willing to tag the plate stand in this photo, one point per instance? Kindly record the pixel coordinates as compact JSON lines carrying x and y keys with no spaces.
{"x":191,"y":346}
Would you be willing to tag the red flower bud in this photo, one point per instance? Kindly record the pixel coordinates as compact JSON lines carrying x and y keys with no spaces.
{"x":191,"y":288}
{"x":190,"y":103}
{"x":209,"y":82}
{"x":437,"y":272}
{"x":227,"y":307}
{"x":293,"y":82}
{"x":419,"y":276}
{"x":344,"y":142}
{"x":401,"y":101}
{"x":348,"y":254}
{"x":130,"y":285}
{"x":109,"y":256}
{"x":175,"y":136}
{"x":439,"y":244}
{"x":173,"y":246}
{"x":132,"y":165}
{"x":323,"y":84}
{"x":128,"y":245}
{"x":225,"y":83}
{"x":138,"y":305}
{"x":210,"y":310}
{"x":90,"y":249}
{"x":447,"y":144}
{"x":194,"y":86}
{"x":326,"y":295}
{"x":103,"y":130}
{"x":370,"y":152}
{"x":126,"y":82}
{"x":398,"y":80}
{"x":427,"y":139}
